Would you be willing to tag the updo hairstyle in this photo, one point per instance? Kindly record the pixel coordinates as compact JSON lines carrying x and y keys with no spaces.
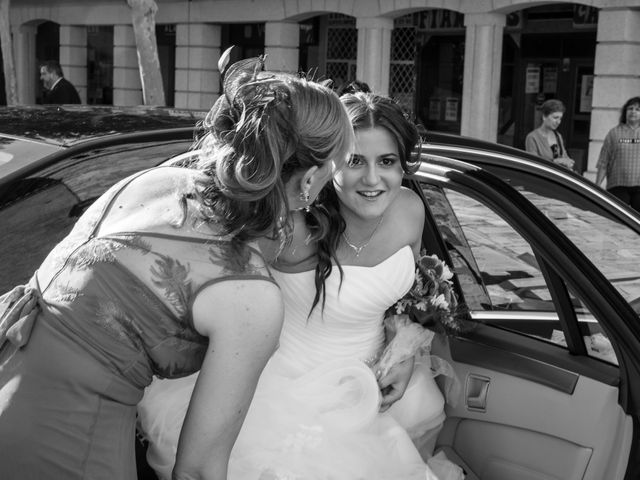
{"x":265,"y":128}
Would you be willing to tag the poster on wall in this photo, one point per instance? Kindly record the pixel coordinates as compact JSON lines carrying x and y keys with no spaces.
{"x":451,"y":109}
{"x":434,"y":109}
{"x":550,"y":79}
{"x":586,"y":93}
{"x":532,"y":80}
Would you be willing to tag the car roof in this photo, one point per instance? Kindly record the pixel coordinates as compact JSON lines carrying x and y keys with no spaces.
{"x":431,"y":137}
{"x":66,"y":125}
{"x":31,"y":133}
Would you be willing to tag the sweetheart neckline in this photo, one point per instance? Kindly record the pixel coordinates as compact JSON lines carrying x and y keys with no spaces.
{"x":401,"y":249}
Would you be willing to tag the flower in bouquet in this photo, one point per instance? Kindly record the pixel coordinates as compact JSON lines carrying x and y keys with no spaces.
{"x":431,"y":302}
{"x":429,"y":306}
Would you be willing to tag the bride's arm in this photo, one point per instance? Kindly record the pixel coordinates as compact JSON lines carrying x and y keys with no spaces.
{"x":242,"y":319}
{"x":394,"y":383}
{"x":409,"y":211}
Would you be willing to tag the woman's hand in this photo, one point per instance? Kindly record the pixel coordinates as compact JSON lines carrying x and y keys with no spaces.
{"x":394,"y":383}
{"x":565,"y":162}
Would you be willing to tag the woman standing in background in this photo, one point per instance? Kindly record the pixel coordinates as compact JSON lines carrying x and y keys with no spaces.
{"x":545,"y":141}
{"x":619,"y":160}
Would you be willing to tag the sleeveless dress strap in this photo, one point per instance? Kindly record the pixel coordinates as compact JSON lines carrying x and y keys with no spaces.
{"x":112,"y":200}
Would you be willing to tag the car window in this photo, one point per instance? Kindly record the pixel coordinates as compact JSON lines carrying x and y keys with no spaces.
{"x":499,"y":275}
{"x":611,"y":245}
{"x":38,"y":211}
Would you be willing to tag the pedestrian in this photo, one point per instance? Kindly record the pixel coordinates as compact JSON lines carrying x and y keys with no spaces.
{"x":619,"y":160}
{"x":545,"y":141}
{"x":58,"y":90}
{"x":164,"y":275}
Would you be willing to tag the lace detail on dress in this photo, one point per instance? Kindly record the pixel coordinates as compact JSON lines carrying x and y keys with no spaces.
{"x":233,"y":257}
{"x":103,"y":249}
{"x":173,"y":277}
{"x":110,"y":316}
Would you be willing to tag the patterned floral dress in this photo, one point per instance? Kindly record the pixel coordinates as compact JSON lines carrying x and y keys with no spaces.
{"x":109,"y":312}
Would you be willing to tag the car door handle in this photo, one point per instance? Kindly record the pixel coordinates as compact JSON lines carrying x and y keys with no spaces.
{"x":477,"y":389}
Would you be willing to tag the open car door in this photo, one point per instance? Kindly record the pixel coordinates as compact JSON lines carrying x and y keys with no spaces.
{"x":548,"y":375}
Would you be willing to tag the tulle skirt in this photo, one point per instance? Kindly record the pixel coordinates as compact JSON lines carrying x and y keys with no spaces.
{"x":324,"y":424}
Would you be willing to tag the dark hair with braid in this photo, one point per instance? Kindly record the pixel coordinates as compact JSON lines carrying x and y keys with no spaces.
{"x":270,"y":126}
{"x":365,"y":111}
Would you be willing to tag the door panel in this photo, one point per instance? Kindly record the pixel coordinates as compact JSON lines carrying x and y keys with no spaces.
{"x":532,"y":430}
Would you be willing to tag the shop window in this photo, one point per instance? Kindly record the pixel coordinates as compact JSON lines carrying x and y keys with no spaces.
{"x":402,"y":69}
{"x":441,"y":71}
{"x":166,"y":40}
{"x":47,"y":48}
{"x":309,"y":60}
{"x":342,"y":45}
{"x":248,"y":39}
{"x":99,"y":65}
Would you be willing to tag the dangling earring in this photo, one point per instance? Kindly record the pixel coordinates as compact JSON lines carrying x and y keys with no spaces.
{"x":304,"y":197}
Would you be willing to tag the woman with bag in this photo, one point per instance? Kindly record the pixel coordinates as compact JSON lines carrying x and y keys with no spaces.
{"x":545,"y":141}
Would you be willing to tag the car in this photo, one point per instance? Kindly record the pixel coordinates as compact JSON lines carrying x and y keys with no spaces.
{"x":545,"y":262}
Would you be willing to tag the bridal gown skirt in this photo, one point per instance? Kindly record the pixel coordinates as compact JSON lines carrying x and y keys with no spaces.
{"x":324,"y":424}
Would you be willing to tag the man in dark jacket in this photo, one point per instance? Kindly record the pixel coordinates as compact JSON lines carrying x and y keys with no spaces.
{"x":58,"y":88}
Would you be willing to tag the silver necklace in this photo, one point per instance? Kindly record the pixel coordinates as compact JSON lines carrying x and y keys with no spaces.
{"x":358,"y":248}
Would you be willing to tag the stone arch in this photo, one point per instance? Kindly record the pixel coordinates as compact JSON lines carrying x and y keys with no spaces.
{"x":25,"y":47}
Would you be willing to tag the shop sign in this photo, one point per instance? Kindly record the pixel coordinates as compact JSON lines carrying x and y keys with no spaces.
{"x":434,"y":109}
{"x":549,"y":79}
{"x":439,"y":19}
{"x":586,"y":93}
{"x":514,"y":20}
{"x":584,"y":16}
{"x":532,"y":79}
{"x":451,"y":109}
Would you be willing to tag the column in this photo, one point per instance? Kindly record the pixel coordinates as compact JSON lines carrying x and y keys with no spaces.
{"x":281,"y":44}
{"x":482,"y":67}
{"x":73,"y":57}
{"x":27,"y":69}
{"x":616,"y":74}
{"x":127,"y":87}
{"x":197,"y":80}
{"x":374,"y":52}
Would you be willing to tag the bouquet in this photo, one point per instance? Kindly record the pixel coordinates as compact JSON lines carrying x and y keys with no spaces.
{"x":430,"y":306}
{"x":431,"y":302}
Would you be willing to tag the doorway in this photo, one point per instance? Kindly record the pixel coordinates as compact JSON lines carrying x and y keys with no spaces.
{"x":560,"y":67}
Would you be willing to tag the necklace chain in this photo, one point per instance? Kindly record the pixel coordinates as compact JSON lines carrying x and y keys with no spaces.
{"x":358,"y":248}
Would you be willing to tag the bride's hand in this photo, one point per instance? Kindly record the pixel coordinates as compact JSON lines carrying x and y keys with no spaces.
{"x":394,"y":383}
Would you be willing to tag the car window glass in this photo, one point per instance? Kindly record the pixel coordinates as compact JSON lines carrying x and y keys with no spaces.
{"x":508,"y":267}
{"x":110,"y":164}
{"x":595,"y":338}
{"x":613,"y":247}
{"x":38,"y":211}
{"x":489,"y":256}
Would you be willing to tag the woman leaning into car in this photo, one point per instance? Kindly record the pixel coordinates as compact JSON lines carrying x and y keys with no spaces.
{"x":166,"y":274}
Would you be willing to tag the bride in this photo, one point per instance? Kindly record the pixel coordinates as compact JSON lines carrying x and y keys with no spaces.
{"x":319,"y":412}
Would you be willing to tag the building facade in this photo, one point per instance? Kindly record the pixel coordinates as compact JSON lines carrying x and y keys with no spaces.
{"x":475,"y":67}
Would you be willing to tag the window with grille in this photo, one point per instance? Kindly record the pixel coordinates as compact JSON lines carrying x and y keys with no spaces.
{"x":402,"y":81}
{"x":342,"y":47}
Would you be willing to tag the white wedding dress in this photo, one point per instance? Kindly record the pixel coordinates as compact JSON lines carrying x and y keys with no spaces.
{"x":315,"y":415}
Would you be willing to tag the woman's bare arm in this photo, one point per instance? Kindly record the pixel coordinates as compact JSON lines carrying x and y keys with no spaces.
{"x":242,"y":319}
